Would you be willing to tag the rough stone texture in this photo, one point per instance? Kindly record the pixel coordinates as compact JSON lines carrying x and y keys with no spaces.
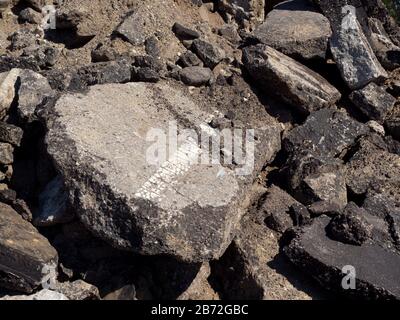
{"x":392,"y":123}
{"x":253,"y":269}
{"x":27,"y":260}
{"x":196,"y":76}
{"x":31,"y":16}
{"x":4,"y":5}
{"x":275,"y":210}
{"x":377,"y":9}
{"x":372,"y":167}
{"x":23,"y":39}
{"x":373,"y":101}
{"x":353,"y":53}
{"x":315,"y":178}
{"x":37,"y":4}
{"x":101,"y":73}
{"x":376,"y":127}
{"x":377,"y":274}
{"x":184,"y":33}
{"x":292,"y":82}
{"x":296,"y":29}
{"x":146,"y":75}
{"x":43,"y":295}
{"x":209,"y":53}
{"x":7,"y":90}
{"x":157,"y":208}
{"x":189,"y":59}
{"x":385,"y":50}
{"x":327,"y":132}
{"x":385,"y":208}
{"x":253,"y":10}
{"x":131,"y":29}
{"x":53,"y":205}
{"x":230,"y":33}
{"x":351,"y":226}
{"x":10,"y":134}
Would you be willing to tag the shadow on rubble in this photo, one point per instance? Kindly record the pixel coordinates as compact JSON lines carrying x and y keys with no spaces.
{"x":67,"y":37}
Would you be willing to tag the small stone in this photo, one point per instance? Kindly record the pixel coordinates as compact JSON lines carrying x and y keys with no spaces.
{"x":296,"y":29}
{"x":196,"y":76}
{"x":152,"y":47}
{"x":78,"y":290}
{"x":103,"y":53}
{"x":353,"y":53}
{"x":146,"y":74}
{"x":350,"y":227}
{"x":209,"y":53}
{"x":289,"y":80}
{"x":327,"y":261}
{"x":392,"y":123}
{"x":27,"y":258}
{"x":200,"y":288}
{"x":327,"y":132}
{"x":43,"y":295}
{"x":148,"y":61}
{"x":7,"y":90}
{"x":4,"y":5}
{"x":376,"y":127}
{"x":300,"y":214}
{"x":373,"y":167}
{"x":125,"y":293}
{"x":229,"y":32}
{"x":37,"y":4}
{"x":23,"y":38}
{"x":175,"y":220}
{"x":45,"y":56}
{"x":6,"y":153}
{"x":320,"y":208}
{"x":317,"y":178}
{"x":248,"y":269}
{"x":132,"y":29}
{"x":275,"y":210}
{"x":184,"y":33}
{"x":385,"y":208}
{"x":8,"y":196}
{"x":31,"y":16}
{"x":189,"y":59}
{"x":11,"y":134}
{"x":373,"y":101}
{"x":33,"y":90}
{"x":243,"y":11}
{"x":53,"y":205}
{"x":102,"y":72}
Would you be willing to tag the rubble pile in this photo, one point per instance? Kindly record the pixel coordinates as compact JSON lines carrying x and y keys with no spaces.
{"x":199,"y":150}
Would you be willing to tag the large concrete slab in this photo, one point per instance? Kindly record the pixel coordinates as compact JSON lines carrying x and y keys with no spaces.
{"x":375,"y":269}
{"x":100,"y":143}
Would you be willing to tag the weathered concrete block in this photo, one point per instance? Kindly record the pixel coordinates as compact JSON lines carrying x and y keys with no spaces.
{"x":103,"y":143}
